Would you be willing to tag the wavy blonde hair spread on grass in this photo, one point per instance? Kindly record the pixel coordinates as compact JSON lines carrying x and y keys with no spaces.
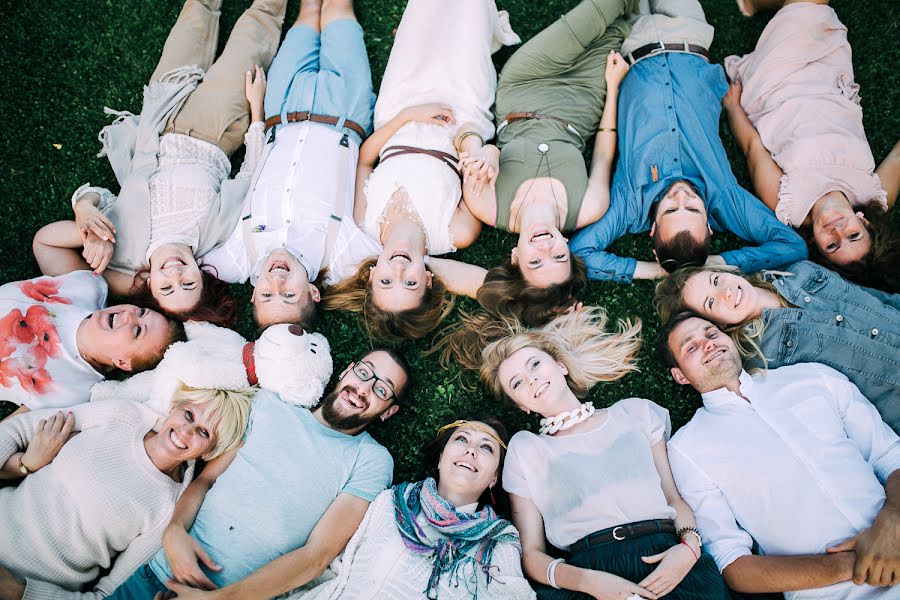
{"x":228,"y":413}
{"x":747,"y":336}
{"x":352,"y":294}
{"x":579,"y":340}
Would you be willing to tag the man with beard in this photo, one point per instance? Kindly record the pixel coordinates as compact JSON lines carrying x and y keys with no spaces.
{"x":271,"y":515}
{"x":794,"y":460}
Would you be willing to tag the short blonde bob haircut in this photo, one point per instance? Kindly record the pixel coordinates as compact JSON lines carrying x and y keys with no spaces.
{"x":580,"y":341}
{"x":228,"y":413}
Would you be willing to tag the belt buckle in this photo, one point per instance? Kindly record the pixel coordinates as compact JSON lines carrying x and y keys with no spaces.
{"x":660,"y":47}
{"x":615,"y":534}
{"x":309,"y":116}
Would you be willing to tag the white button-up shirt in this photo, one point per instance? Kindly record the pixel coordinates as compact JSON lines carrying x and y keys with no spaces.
{"x":797,"y":467}
{"x":291,"y":205}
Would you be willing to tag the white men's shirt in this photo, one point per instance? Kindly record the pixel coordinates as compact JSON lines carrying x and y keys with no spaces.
{"x":291,"y":205}
{"x":797,"y":467}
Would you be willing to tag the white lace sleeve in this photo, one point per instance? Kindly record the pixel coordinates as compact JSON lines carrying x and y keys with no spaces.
{"x":107,"y":198}
{"x":255,"y":141}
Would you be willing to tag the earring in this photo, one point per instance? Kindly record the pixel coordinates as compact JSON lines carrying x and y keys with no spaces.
{"x":493,"y":502}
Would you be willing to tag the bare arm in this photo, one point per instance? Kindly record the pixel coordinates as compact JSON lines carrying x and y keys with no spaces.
{"x":761,"y":574}
{"x":764,"y":171}
{"x":528,"y":520}
{"x":596,"y":197}
{"x":297,"y":568}
{"x":459,"y":277}
{"x":183,"y":551}
{"x":889,"y":173}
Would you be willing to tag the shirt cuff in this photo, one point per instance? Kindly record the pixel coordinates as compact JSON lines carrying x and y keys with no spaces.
{"x":39,"y":590}
{"x":725,"y":554}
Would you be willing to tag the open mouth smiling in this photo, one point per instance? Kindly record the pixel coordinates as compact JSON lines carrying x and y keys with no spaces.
{"x":466,"y":465}
{"x":714,"y":356}
{"x":173,"y":261}
{"x":279,"y":266}
{"x":353,"y":400}
{"x":176,"y":441}
{"x":541,"y":236}
{"x":396,"y":256}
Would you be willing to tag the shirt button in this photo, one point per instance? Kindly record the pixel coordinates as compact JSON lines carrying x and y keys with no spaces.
{"x":779,"y":282}
{"x":283,"y":245}
{"x":807,"y":299}
{"x":839,"y":318}
{"x":789,"y":343}
{"x":874,"y":331}
{"x":287,"y":221}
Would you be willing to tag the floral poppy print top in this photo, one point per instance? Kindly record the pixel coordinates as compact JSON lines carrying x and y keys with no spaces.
{"x":40,"y":366}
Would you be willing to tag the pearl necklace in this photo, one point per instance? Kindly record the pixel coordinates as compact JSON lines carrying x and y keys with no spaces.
{"x":565,"y":420}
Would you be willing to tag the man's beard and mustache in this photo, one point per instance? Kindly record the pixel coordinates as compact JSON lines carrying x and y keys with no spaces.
{"x":341,"y":421}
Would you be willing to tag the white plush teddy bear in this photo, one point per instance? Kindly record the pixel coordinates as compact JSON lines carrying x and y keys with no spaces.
{"x":285,"y":359}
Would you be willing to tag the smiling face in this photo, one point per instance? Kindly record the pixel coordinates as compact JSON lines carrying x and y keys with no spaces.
{"x":186,"y":434}
{"x":398,"y":280}
{"x":469,"y":463}
{"x":681,"y":209}
{"x":542,"y":255}
{"x":120,"y":335}
{"x":175,"y":279}
{"x":534,"y":381}
{"x":723,"y":297}
{"x":359,"y":396}
{"x":840,"y":233}
{"x":707,"y":358}
{"x":283,"y":291}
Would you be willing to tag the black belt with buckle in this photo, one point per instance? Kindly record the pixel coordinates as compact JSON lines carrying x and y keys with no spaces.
{"x":658,"y":47}
{"x":623,"y":532}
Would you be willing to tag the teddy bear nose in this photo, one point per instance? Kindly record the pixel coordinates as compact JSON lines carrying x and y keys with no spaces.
{"x":295,"y":329}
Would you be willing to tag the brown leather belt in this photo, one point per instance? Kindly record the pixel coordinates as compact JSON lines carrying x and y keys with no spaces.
{"x":445,"y":157}
{"x":658,"y":47}
{"x":522,"y":116}
{"x":296,"y":117}
{"x":623,"y":532}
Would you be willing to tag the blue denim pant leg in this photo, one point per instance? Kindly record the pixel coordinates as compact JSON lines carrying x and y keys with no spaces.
{"x":293,"y":72}
{"x":142,"y":585}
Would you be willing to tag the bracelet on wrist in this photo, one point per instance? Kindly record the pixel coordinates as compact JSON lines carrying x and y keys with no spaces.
{"x":467,"y":134}
{"x":551,"y":572}
{"x":696,"y":556}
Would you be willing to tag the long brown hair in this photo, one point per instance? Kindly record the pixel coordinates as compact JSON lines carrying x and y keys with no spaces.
{"x":353,"y":294}
{"x":879,"y":268}
{"x":508,"y":302}
{"x":216,"y":305}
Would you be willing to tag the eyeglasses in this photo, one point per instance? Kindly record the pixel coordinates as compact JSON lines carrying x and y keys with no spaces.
{"x":380,"y":388}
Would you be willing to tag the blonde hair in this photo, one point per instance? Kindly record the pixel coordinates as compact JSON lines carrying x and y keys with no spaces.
{"x":228,"y":413}
{"x":747,"y":336}
{"x":579,"y":340}
{"x":353,"y":294}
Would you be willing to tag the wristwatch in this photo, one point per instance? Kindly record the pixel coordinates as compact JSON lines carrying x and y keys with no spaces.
{"x":23,"y":469}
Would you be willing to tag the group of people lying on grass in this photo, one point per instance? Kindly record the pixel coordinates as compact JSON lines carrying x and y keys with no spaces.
{"x":784,"y":481}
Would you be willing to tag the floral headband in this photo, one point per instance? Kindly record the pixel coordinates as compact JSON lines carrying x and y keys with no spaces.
{"x":473,"y":425}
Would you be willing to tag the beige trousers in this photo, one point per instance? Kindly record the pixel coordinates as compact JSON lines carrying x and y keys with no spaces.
{"x":217,"y":111}
{"x":670,"y":21}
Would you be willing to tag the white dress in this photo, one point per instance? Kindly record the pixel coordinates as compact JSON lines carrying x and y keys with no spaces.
{"x":442,"y":53}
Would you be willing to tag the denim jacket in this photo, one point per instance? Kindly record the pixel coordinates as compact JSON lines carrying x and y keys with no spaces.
{"x":852,"y":329}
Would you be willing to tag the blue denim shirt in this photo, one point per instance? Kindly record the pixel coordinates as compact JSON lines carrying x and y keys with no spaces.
{"x":852,"y":329}
{"x":669,"y":107}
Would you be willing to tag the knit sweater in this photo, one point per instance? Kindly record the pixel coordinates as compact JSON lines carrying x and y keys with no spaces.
{"x":376,"y":564}
{"x":101,"y":503}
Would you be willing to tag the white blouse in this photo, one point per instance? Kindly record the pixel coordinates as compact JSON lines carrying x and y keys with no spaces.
{"x":591,"y":481}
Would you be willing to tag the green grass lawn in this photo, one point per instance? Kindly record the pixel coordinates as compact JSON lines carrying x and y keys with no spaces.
{"x":64,"y":61}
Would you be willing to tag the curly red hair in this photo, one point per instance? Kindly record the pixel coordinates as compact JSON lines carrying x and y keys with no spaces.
{"x":216,"y":306}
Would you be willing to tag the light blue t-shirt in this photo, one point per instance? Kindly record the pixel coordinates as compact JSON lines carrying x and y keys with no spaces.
{"x":288,"y":472}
